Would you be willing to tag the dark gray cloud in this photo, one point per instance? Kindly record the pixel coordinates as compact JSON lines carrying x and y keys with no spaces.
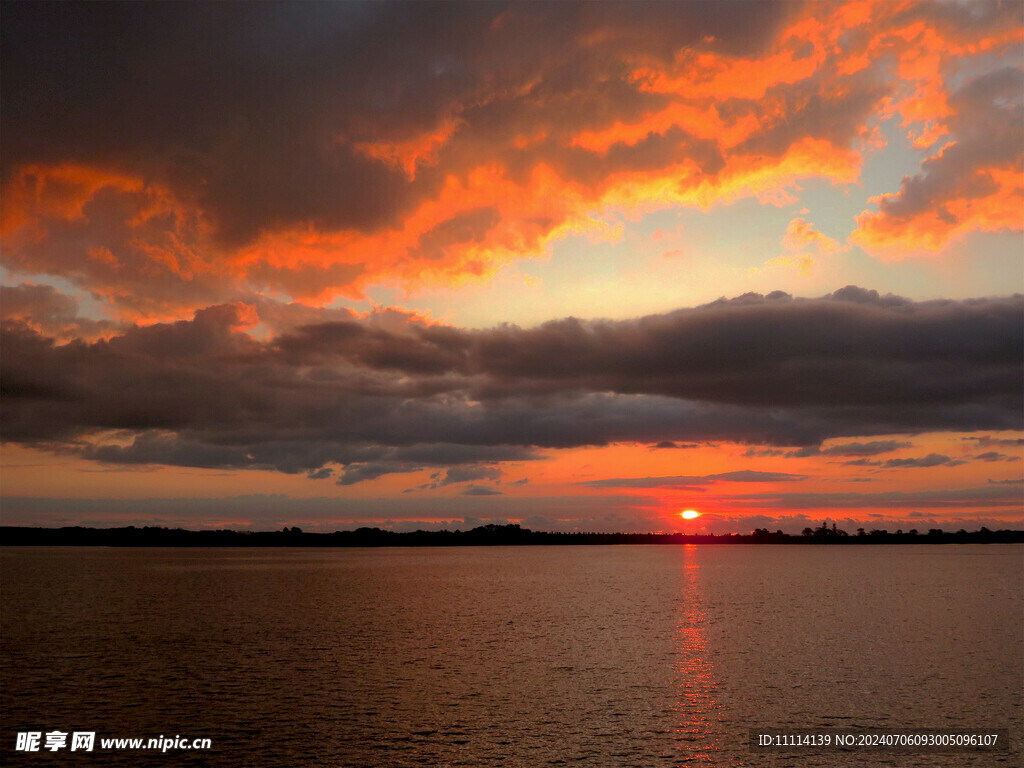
{"x":991,"y":496}
{"x":692,"y":482}
{"x":995,"y":456}
{"x":51,"y":312}
{"x":987,"y":440}
{"x":481,"y":490}
{"x":42,"y":303}
{"x":357,"y":473}
{"x":457,"y":475}
{"x":800,"y":352}
{"x":872,"y":448}
{"x":256,"y":110}
{"x":395,"y":395}
{"x":931,"y":460}
{"x":465,"y":462}
{"x":467,"y":474}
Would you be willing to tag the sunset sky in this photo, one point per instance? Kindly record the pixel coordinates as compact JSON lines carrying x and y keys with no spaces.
{"x":571,"y":265}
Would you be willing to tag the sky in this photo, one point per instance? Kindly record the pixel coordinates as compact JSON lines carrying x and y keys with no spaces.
{"x":577,"y":266}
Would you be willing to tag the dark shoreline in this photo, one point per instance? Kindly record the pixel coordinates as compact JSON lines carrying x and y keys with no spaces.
{"x":488,"y":535}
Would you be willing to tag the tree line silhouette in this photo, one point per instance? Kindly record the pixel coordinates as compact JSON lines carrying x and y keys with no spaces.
{"x":485,"y":535}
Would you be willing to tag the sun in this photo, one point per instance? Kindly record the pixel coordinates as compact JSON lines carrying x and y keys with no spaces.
{"x":690,"y":514}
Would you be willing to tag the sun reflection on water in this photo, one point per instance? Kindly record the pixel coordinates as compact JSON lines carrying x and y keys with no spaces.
{"x":700,"y":722}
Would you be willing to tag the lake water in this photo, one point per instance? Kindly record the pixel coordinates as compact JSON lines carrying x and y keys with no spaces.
{"x":510,"y":656}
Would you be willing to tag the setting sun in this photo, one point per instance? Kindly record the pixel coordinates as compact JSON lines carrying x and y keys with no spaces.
{"x":690,"y":514}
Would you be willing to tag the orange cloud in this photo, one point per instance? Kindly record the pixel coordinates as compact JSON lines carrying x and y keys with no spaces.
{"x":411,"y":153}
{"x":802,"y":263}
{"x":801,"y":234}
{"x":803,"y":244}
{"x":1001,"y":209}
{"x":709,"y":75}
{"x":57,"y":192}
{"x":497,"y":169}
{"x":127,"y":240}
{"x":974,"y":183}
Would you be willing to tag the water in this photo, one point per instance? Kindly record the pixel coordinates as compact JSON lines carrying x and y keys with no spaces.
{"x":532,"y":656}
